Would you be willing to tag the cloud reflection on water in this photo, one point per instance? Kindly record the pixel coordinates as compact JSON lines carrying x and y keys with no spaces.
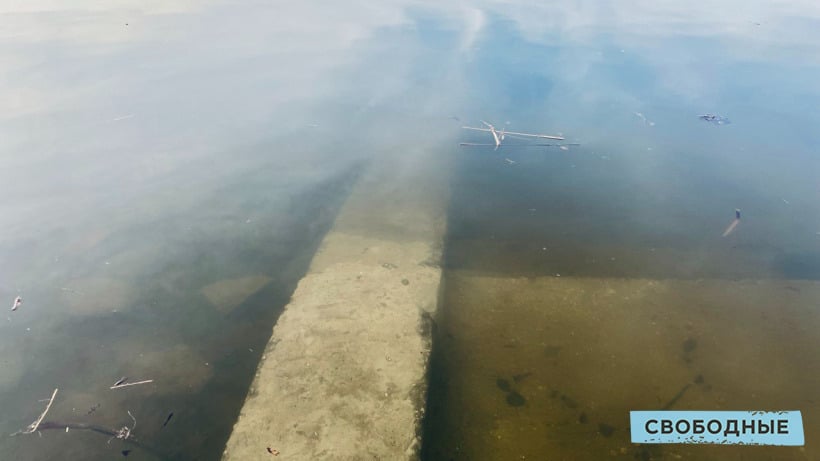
{"x":110,"y":129}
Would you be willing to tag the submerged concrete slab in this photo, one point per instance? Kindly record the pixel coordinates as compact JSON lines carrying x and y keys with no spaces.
{"x":550,"y":367}
{"x":344,"y":374}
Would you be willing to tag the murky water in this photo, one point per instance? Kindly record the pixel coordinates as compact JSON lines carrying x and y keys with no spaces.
{"x":584,"y":283}
{"x":165,"y":191}
{"x":169,"y":169}
{"x":548,"y":367}
{"x":186,"y":299}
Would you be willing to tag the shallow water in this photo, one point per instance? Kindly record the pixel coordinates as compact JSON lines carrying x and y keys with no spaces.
{"x":165,"y":190}
{"x":170,"y":167}
{"x":581,"y":284}
{"x":187,"y":300}
{"x":548,"y":367}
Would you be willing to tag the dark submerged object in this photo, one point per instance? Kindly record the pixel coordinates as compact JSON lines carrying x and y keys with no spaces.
{"x":714,"y":118}
{"x":676,"y":397}
{"x":503,"y":384}
{"x":605,"y":429}
{"x":170,"y":415}
{"x":737,"y":213}
{"x":514,"y":399}
{"x":522,"y":376}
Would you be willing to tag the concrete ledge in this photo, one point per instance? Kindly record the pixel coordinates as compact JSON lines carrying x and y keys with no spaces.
{"x":344,"y":374}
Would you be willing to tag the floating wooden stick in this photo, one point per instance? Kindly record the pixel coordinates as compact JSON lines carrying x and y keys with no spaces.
{"x":33,"y":427}
{"x":734,"y":224}
{"x":117,"y":386}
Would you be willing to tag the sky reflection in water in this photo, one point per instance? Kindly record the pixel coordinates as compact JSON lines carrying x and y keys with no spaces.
{"x":142,"y":143}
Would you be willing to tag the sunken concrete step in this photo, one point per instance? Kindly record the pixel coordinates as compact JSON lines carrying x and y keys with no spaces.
{"x":344,"y":373}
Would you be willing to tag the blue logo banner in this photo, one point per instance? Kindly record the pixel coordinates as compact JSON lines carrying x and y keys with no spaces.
{"x":718,"y":427}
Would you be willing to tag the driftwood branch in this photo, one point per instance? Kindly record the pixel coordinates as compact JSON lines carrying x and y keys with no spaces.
{"x":33,"y":426}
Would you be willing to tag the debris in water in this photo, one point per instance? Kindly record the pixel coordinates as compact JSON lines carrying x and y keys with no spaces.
{"x":125,"y":431}
{"x":514,"y":399}
{"x":273,"y":451}
{"x":390,"y":266}
{"x":132,"y":384}
{"x":511,"y":162}
{"x":676,"y":397}
{"x":33,"y":426}
{"x":17,"y":301}
{"x":170,"y":415}
{"x":715,"y":119}
{"x":733,"y":224}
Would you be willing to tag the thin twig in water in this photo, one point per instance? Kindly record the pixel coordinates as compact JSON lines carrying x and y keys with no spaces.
{"x":131,"y":384}
{"x":33,"y":427}
{"x":131,"y":440}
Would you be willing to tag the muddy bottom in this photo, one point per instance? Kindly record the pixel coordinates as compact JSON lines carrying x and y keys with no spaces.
{"x":549,"y":367}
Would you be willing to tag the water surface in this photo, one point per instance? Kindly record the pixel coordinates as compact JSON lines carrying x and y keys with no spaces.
{"x":171,"y":167}
{"x":584,"y":283}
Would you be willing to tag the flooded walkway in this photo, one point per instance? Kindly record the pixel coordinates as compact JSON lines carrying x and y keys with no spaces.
{"x":343,"y":376}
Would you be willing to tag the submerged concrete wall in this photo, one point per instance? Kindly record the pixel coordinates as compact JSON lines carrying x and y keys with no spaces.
{"x":344,"y":374}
